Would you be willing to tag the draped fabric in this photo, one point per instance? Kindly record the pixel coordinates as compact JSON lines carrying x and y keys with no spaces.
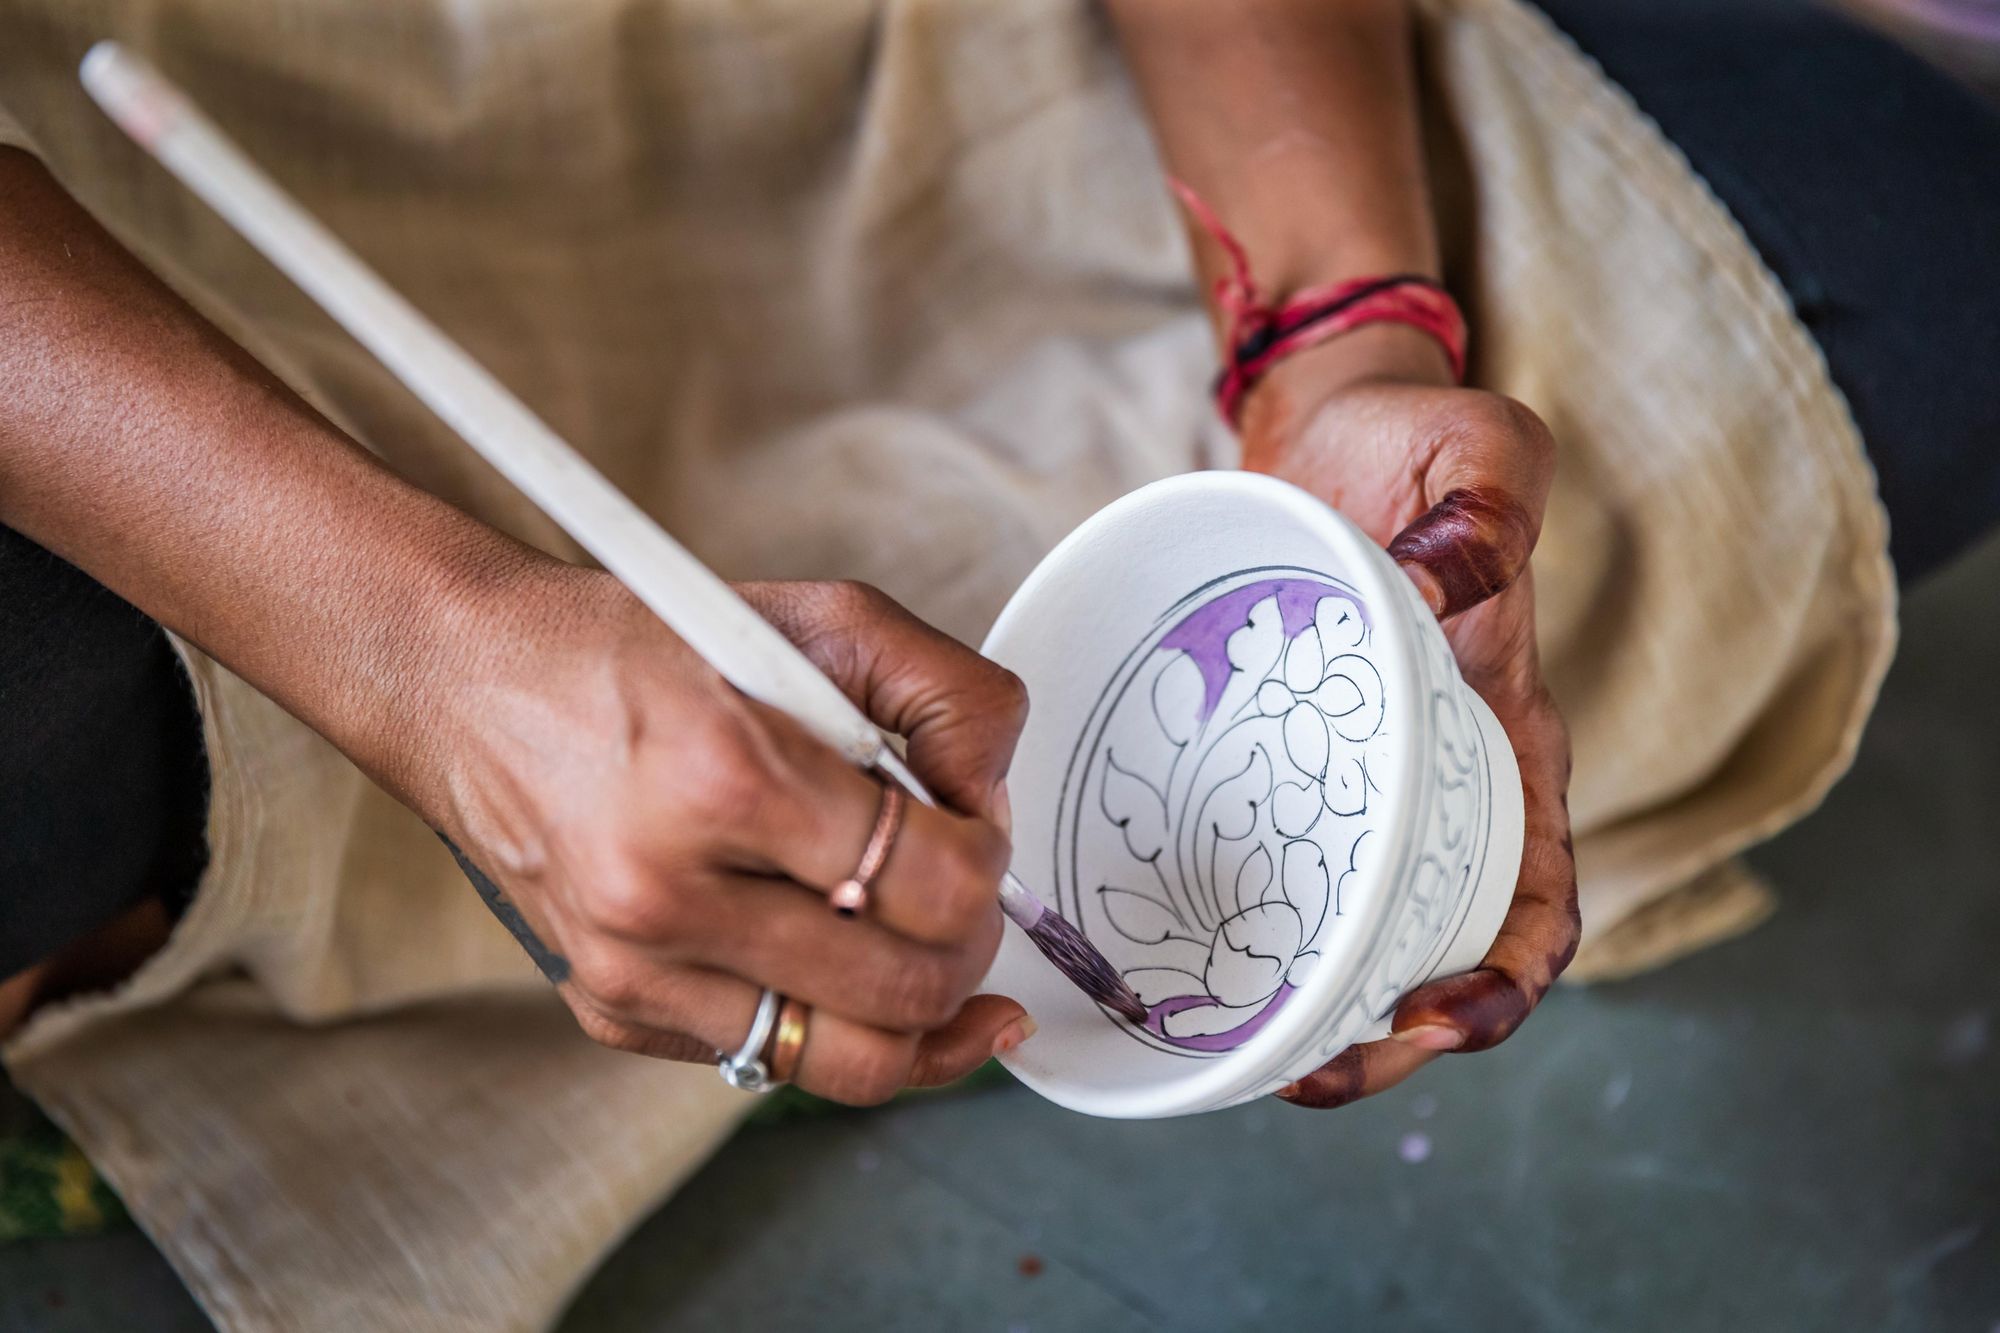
{"x":890,"y":291}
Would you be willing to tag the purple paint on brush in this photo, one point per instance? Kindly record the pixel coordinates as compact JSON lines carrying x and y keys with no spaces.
{"x":1204,"y":634}
{"x":1078,"y":959}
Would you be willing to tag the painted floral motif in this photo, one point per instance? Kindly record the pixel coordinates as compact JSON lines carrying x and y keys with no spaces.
{"x":1223,"y":800}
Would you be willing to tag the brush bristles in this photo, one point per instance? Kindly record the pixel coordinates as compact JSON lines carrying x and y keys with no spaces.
{"x":1078,"y":959}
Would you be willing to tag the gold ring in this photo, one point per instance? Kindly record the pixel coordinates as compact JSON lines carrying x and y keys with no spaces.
{"x":788,"y":1042}
{"x":850,"y":896}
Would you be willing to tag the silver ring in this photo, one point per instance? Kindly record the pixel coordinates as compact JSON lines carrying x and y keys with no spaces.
{"x":745,"y":1069}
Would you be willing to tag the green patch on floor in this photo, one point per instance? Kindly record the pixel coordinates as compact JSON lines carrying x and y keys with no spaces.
{"x":47,"y":1186}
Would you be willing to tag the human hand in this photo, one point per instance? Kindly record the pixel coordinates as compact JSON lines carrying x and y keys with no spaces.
{"x":669,"y":842}
{"x":657,"y":833}
{"x":1453,"y":481}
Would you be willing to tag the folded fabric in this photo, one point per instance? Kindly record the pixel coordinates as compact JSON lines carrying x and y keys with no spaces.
{"x":890,"y":291}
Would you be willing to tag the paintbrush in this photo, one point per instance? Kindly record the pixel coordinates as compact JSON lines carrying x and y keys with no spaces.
{"x":694,"y":602}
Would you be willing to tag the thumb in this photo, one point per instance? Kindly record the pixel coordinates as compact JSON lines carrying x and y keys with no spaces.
{"x":988,"y":1025}
{"x":1491,"y":463}
{"x":1467,"y":547}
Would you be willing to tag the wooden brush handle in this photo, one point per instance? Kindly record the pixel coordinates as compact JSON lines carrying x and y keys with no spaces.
{"x":693,"y":601}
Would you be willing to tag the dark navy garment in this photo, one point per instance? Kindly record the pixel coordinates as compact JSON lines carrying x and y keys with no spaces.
{"x":103,"y":781}
{"x":1869,"y":183}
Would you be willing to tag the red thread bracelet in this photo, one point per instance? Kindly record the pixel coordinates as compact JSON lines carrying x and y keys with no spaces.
{"x":1264,"y":332}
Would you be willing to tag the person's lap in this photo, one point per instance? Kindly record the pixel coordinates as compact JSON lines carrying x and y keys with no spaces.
{"x":1868,"y":182}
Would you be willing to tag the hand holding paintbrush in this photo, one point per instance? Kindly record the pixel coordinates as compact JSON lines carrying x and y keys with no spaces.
{"x":702,"y":609}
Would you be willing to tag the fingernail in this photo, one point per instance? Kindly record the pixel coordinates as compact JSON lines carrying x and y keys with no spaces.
{"x":1003,"y":808}
{"x":1014,"y":1034}
{"x":1428,"y":587}
{"x":1290,"y":1090}
{"x":1431,"y":1037}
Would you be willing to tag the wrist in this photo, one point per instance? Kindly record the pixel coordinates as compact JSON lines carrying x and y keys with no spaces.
{"x":1278,"y":406}
{"x":452,"y":616}
{"x":1265,"y":330}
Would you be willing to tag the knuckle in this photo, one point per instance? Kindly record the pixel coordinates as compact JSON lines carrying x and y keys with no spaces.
{"x":1548,"y":884}
{"x":1500,"y":430}
{"x":680,"y":1047}
{"x":607,"y":1031}
{"x":1522,"y":423}
{"x":852,"y":601}
{"x":1548,"y":728}
{"x":1561,"y":948}
{"x":1532,"y":989}
{"x":1530,"y":448}
{"x":961,"y":966}
{"x":965,"y":890}
{"x":611,"y":984}
{"x":872,"y":1074}
{"x":631,"y":904}
{"x":984,"y":946}
{"x":1009,"y":700}
{"x":985,"y":855}
{"x":728,"y":771}
{"x":725,"y":780}
{"x":924,"y":994}
{"x":779,"y":945}
{"x":633,"y":1039}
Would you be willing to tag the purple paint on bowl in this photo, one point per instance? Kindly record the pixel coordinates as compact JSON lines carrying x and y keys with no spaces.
{"x":1204,"y":634}
{"x":1229,"y":1040}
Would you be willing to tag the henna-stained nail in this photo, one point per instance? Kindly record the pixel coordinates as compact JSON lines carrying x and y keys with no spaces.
{"x":1486,"y":1006}
{"x":1473,"y":542}
{"x":1333,"y":1084}
{"x":1431,"y":1037}
{"x":1014,"y":1034}
{"x":1427,"y":586}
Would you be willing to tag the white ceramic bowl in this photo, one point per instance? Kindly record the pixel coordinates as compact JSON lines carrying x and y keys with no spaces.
{"x":1253,"y":777}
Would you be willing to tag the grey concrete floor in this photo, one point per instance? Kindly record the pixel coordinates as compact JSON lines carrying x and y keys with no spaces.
{"x":1799,"y":1130}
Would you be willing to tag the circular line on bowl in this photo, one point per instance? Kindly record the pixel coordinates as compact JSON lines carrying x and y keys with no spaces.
{"x":1201,"y":631}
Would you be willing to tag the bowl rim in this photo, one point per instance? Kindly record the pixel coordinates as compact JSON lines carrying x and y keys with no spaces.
{"x":1214,"y":1084}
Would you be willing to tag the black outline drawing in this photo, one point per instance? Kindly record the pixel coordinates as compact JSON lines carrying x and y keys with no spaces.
{"x":1182,"y":905}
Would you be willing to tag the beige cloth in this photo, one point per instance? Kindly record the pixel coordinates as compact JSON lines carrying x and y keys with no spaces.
{"x":890,"y":291}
